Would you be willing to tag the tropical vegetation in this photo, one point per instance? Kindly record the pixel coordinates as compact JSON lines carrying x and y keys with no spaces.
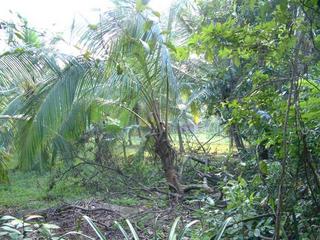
{"x":208,"y":114}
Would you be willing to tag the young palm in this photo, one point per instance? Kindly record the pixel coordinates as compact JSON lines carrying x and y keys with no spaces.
{"x":138,"y":70}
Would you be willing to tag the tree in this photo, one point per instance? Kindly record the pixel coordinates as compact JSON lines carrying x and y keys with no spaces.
{"x":127,"y":62}
{"x":255,"y":57}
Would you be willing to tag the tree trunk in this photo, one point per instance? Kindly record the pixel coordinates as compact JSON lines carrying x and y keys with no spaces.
{"x":231,"y":141}
{"x":136,"y":109}
{"x":237,"y":138}
{"x":130,"y":137}
{"x":181,"y":148}
{"x":167,"y":155}
{"x":124,"y":149}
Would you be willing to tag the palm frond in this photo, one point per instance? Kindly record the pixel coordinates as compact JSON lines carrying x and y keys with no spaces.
{"x":55,"y":101}
{"x":3,"y":171}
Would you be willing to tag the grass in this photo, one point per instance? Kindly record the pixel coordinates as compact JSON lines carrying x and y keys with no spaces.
{"x":125,"y":201}
{"x":217,"y":145}
{"x":29,"y":191}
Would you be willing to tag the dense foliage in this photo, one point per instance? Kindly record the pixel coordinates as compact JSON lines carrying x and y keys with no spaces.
{"x":251,"y":67}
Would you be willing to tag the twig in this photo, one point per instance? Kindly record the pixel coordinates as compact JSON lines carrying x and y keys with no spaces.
{"x":198,"y":141}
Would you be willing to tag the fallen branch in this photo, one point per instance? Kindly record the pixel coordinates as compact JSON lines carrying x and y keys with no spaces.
{"x":204,"y":187}
{"x":198,"y":160}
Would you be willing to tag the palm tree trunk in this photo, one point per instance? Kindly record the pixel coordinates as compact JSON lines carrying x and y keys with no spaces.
{"x":167,"y":155}
{"x":124,"y":148}
{"x":136,"y":109}
{"x":181,"y":148}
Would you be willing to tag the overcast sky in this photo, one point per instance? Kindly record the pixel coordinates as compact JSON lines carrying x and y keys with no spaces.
{"x":57,"y":15}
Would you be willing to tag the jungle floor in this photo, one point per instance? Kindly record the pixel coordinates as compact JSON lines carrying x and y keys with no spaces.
{"x":140,"y":195}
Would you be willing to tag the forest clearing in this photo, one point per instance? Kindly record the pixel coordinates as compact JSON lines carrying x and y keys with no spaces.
{"x":181,"y":119}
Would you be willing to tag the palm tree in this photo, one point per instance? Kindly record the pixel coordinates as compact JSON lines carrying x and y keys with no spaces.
{"x":138,"y":69}
{"x":29,"y":72}
{"x":126,"y":62}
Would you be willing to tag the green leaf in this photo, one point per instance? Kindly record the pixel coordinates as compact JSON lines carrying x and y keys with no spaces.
{"x":119,"y":69}
{"x":186,"y":228}
{"x":242,"y":182}
{"x":195,"y":112}
{"x":236,"y":60}
{"x":140,"y":6}
{"x":6,"y":218}
{"x":93,"y":27}
{"x":32,"y":217}
{"x":9,"y":229}
{"x":124,"y":233}
{"x":317,"y":41}
{"x":173,"y":235}
{"x":19,"y":50}
{"x":147,"y":25}
{"x":252,"y":4}
{"x":19,"y":35}
{"x":87,"y":55}
{"x":223,"y":228}
{"x":256,"y":181}
{"x":95,"y":228}
{"x":145,"y":46}
{"x":256,"y":232}
{"x":263,"y":167}
{"x":181,"y":53}
{"x":170,"y":46}
{"x":156,"y":13}
{"x":185,"y":93}
{"x":225,"y":52}
{"x":134,"y":233}
{"x":50,"y":226}
{"x":112,"y":128}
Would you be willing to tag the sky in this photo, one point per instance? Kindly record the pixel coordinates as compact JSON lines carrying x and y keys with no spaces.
{"x":57,"y":15}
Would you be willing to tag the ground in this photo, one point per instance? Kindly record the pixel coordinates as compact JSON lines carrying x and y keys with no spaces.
{"x":147,"y":205}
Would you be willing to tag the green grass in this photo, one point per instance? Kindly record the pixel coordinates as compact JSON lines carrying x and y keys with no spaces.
{"x":30,"y":191}
{"x":217,"y":145}
{"x":125,"y":201}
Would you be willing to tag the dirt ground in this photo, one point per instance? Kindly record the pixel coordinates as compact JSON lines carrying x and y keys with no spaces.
{"x":69,"y":217}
